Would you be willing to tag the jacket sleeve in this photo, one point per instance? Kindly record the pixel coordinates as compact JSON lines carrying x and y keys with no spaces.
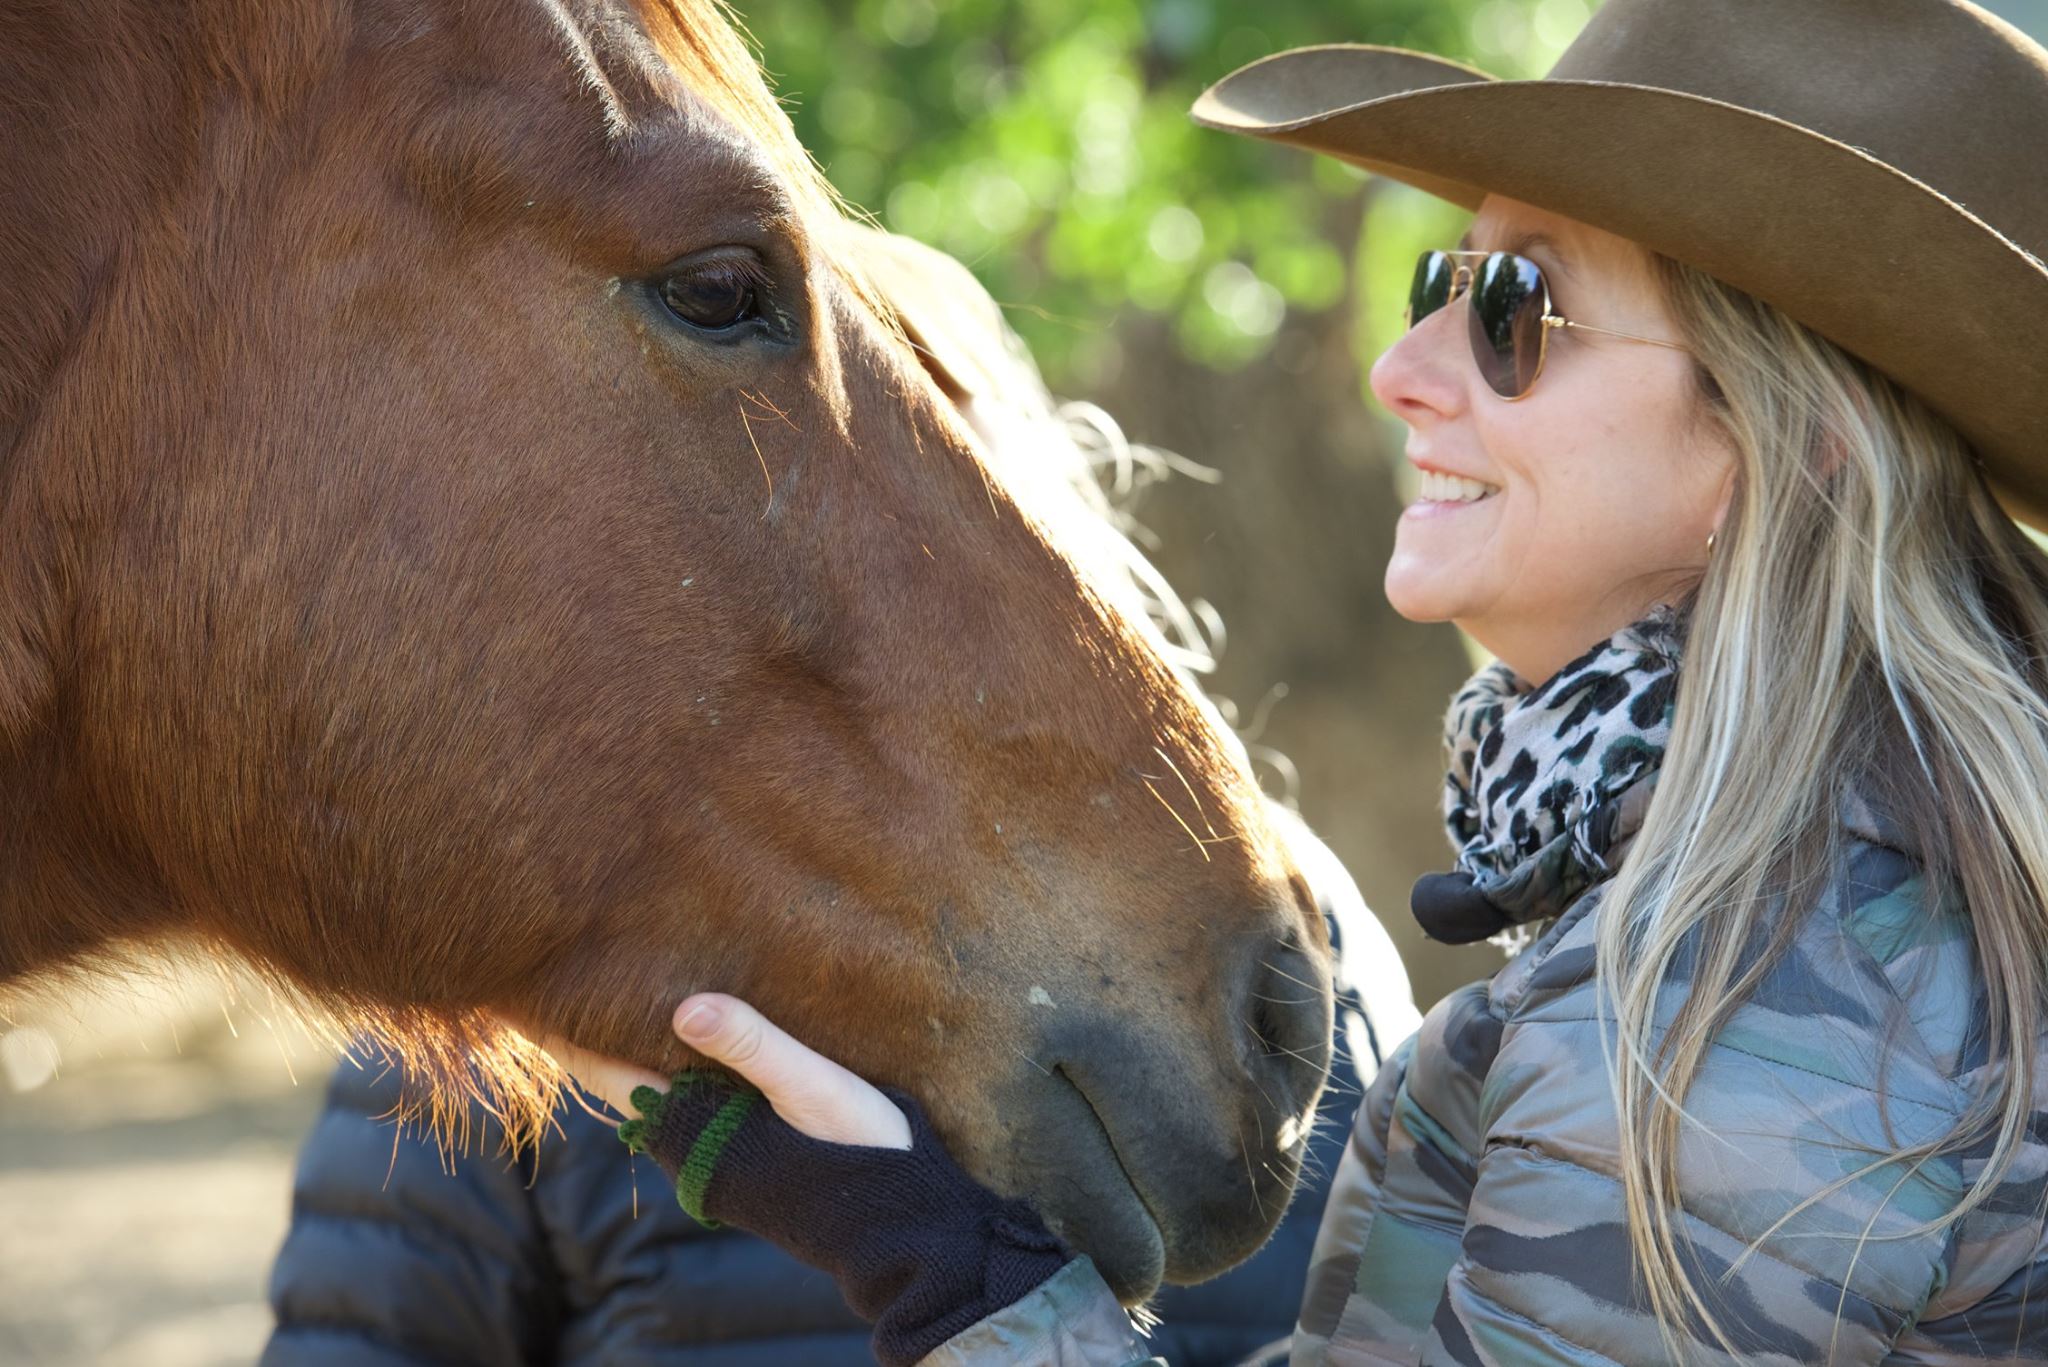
{"x":2008,"y":1328}
{"x":1072,"y":1319}
{"x":1824,"y":1064}
{"x":1391,"y":1231}
{"x":392,"y":1260}
{"x":1354,"y":1197}
{"x":2005,"y":1327}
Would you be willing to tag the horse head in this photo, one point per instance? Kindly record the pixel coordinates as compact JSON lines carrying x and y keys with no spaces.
{"x":482,"y":541}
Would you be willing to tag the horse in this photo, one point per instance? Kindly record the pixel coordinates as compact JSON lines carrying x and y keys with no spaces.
{"x":482,"y":541}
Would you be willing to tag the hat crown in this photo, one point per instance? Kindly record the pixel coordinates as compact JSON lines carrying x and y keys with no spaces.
{"x":1948,"y":93}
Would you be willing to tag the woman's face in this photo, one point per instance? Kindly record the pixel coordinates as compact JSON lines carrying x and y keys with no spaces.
{"x":1603,"y":482}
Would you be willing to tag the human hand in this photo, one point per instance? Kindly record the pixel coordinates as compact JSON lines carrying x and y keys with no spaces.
{"x":810,"y":1092}
{"x":842,"y":1175}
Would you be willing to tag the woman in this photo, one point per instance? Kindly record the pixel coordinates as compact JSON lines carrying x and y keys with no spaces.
{"x":1743,"y":355}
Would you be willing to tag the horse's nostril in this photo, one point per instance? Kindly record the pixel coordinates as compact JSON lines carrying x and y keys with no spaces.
{"x":1263,"y":1030}
{"x":1286,"y":1008}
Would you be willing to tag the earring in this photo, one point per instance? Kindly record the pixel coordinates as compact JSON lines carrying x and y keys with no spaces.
{"x":1710,"y":543}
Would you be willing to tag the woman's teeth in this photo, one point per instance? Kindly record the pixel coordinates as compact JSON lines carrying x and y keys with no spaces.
{"x":1441,"y":488}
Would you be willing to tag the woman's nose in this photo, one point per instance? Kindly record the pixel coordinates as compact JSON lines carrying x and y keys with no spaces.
{"x":1417,"y":377}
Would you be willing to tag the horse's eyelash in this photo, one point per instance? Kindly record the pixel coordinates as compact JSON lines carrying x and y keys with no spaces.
{"x":754,"y":270}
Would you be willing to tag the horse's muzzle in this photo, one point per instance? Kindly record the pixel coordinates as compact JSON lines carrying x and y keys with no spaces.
{"x":1169,"y":1153}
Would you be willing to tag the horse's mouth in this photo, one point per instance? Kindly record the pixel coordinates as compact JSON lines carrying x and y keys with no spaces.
{"x":1111,"y":1219}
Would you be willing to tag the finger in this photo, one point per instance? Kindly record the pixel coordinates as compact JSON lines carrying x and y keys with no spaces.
{"x":808,"y":1090}
{"x":608,"y":1079}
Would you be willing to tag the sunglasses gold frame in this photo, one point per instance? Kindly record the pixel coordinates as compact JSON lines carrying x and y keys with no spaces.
{"x":1462,"y":276}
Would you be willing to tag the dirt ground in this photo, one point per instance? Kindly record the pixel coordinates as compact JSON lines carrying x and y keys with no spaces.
{"x":147,"y":1184}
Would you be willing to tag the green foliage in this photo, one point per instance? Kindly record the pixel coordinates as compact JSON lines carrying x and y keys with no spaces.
{"x":1048,"y":146}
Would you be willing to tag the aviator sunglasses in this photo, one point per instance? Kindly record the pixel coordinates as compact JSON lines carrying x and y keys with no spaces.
{"x":1510,"y":318}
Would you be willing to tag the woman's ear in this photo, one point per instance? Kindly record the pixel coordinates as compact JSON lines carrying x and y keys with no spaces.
{"x":1725,"y":498}
{"x":1716,"y":447}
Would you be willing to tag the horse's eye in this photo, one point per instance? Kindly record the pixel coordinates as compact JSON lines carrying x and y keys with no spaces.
{"x":714,"y":295}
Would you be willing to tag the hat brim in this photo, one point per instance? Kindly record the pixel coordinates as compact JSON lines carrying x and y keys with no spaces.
{"x":1876,"y":261}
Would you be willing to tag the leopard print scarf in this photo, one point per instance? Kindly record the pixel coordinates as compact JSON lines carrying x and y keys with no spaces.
{"x":1536,"y":775}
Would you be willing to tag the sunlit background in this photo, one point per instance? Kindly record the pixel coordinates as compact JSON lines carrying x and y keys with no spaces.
{"x":1221,"y":299}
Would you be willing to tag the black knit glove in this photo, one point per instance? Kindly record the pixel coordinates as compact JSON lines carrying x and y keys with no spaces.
{"x":916,"y":1245}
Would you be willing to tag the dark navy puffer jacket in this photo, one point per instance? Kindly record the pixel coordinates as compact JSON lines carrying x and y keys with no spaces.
{"x":391,"y":1260}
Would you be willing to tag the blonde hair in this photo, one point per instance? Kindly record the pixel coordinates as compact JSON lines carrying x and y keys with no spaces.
{"x":1866,"y":597}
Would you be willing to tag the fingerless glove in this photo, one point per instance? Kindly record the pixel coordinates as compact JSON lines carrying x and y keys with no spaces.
{"x":916,"y":1245}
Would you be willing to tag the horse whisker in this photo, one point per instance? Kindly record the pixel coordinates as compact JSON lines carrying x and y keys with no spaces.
{"x":744,"y":422}
{"x":770,"y":405}
{"x":1030,"y":1060}
{"x":1313,"y":987}
{"x":1251,"y":1076}
{"x":1190,"y":787}
{"x":1183,"y":825}
{"x":1250,"y":1180}
{"x":1292,"y":1053}
{"x":576,"y":1095}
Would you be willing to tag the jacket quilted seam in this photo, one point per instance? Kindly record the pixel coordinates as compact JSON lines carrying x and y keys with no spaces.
{"x":1542,"y":1330}
{"x":1754,"y":1251}
{"x":1949,"y":1111}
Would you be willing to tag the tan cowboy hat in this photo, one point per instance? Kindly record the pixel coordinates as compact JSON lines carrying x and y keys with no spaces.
{"x":1877,"y":169}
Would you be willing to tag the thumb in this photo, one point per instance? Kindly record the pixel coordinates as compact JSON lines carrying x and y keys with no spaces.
{"x":810,"y":1092}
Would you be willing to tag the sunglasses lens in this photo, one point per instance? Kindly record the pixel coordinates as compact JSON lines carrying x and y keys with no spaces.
{"x":1430,"y":288}
{"x":1507,"y":323}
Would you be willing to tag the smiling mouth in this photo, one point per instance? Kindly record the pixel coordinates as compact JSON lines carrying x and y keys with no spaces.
{"x":1453,"y":490}
{"x":1432,"y":504}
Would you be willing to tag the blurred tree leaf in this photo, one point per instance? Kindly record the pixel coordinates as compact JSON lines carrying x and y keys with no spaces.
{"x":1048,"y":146}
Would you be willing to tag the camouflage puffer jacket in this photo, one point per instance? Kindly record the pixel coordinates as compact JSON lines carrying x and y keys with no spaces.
{"x":1477,"y":1217}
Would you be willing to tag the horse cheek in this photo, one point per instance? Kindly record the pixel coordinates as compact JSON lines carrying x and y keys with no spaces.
{"x":27,"y":677}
